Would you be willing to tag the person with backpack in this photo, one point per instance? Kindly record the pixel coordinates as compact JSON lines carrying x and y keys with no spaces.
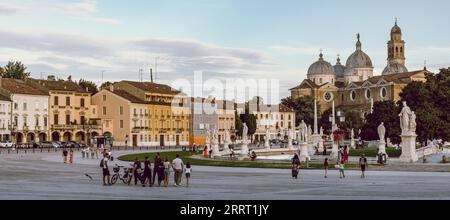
{"x":295,"y":166}
{"x":105,"y":170}
{"x":65,"y":153}
{"x":363,"y":165}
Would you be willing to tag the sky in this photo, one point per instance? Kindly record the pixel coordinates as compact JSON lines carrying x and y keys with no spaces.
{"x":249,"y":39}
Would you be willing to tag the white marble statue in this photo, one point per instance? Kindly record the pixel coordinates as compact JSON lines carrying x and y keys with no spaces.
{"x":303,"y":130}
{"x":412,"y":123}
{"x":267,"y":139}
{"x":382,"y":132}
{"x":245,"y":133}
{"x":405,"y":116}
{"x":309,"y":134}
{"x":321,"y":132}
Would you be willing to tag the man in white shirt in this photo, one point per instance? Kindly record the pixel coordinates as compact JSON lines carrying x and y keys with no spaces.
{"x":178,"y":166}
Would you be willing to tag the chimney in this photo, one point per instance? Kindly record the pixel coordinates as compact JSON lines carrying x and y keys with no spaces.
{"x":87,"y":89}
{"x":111,"y":88}
{"x":151,"y":75}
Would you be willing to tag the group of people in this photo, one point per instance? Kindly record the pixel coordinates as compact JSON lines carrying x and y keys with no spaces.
{"x":67,"y":155}
{"x":90,"y":152}
{"x":146,"y":175}
{"x":340,"y":165}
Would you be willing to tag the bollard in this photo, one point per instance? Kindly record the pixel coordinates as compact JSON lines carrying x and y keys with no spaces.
{"x":33,"y":150}
{"x":8,"y":151}
{"x":41,"y":150}
{"x":48,"y":150}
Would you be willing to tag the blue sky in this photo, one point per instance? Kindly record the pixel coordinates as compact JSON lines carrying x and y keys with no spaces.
{"x":225,"y":38}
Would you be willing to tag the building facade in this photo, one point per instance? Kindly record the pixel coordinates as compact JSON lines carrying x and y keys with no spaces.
{"x":29,"y":112}
{"x":355,"y":87}
{"x":5,"y":118}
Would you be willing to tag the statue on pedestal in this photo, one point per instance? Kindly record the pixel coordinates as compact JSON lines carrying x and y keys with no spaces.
{"x":245,"y":133}
{"x":382,"y":132}
{"x":413,"y":124}
{"x":309,"y":134}
{"x":267,"y":139}
{"x":303,"y":130}
{"x":405,"y":118}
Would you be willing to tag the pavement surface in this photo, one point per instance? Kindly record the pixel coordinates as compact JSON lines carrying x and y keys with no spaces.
{"x":44,"y":176}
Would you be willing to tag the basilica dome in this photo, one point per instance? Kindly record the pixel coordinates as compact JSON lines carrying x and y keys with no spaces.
{"x":321,"y":67}
{"x":339,"y":69}
{"x":394,"y":67}
{"x":359,"y":59}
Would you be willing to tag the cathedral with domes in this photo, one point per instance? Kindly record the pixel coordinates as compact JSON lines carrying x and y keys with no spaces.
{"x":354,"y":85}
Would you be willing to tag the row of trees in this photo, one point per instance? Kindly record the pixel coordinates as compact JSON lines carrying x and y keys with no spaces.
{"x":16,"y":70}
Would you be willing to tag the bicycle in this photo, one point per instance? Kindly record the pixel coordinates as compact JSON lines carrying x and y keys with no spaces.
{"x":126,"y":177}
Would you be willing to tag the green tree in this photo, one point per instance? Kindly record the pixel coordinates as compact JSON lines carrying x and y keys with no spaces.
{"x":91,"y":87}
{"x":353,"y":119}
{"x":303,"y":107}
{"x":238,"y":125}
{"x":106,"y":85}
{"x":431,"y":102}
{"x":15,"y":70}
{"x":387,"y":112}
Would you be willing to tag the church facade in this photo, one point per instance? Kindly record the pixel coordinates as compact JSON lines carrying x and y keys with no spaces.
{"x":353,"y":85}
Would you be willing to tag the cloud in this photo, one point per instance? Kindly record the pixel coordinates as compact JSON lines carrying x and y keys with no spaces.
{"x":86,"y":56}
{"x":85,"y":10}
{"x":8,"y":9}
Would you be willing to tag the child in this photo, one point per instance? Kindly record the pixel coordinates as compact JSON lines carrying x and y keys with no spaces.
{"x":325,"y":166}
{"x":341,"y":169}
{"x":188,"y":171}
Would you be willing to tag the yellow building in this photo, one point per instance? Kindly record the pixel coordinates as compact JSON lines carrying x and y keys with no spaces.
{"x":70,"y":110}
{"x":142,"y":114}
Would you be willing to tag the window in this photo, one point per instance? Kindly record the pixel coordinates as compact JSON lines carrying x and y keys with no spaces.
{"x":82,"y":102}
{"x":25,"y":120}
{"x":135,"y":112}
{"x":353,"y":95}
{"x":401,"y":49}
{"x":82,"y":120}
{"x":328,"y":96}
{"x":320,"y":80}
{"x":67,"y":101}
{"x":37,"y":121}
{"x":16,"y":120}
{"x":104,"y":110}
{"x":56,"y":100}
{"x":383,"y":92}
{"x":93,"y":111}
{"x":368,"y":95}
{"x":67,"y":119}
{"x":121,"y":110}
{"x":24,"y":106}
{"x":45,"y":122}
{"x":121,"y":123}
{"x":104,"y":98}
{"x":282,"y":118}
{"x":56,"y":119}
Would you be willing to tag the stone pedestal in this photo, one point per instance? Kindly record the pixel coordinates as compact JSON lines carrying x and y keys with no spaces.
{"x":334,"y":151}
{"x":409,"y":149}
{"x":321,"y":148}
{"x":267,"y":144}
{"x":315,"y":138}
{"x":352,"y":144}
{"x":304,"y":155}
{"x":244,"y":148}
{"x":226,"y":149}
{"x":382,"y":148}
{"x":215,"y":150}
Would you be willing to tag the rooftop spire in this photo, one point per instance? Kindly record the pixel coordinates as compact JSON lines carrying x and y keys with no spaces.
{"x":321,"y":55}
{"x":358,"y":43}
{"x":338,"y":60}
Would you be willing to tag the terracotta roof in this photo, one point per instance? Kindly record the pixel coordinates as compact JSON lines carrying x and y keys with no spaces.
{"x":61,"y":85}
{"x":340,"y":84}
{"x":409,"y":74}
{"x":153,"y":87}
{"x":129,"y":97}
{"x":4,"y":98}
{"x":284,"y":108}
{"x":20,"y":87}
{"x":308,"y":82}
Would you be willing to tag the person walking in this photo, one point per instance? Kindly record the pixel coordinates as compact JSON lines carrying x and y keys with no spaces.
{"x":295,"y":166}
{"x":363,"y":165}
{"x":156,"y":162}
{"x":178,"y":166}
{"x":188,"y":171}
{"x":65,"y":153}
{"x":136,"y":169}
{"x":345,"y":153}
{"x":341,"y":169}
{"x":205,"y":152}
{"x":105,"y":170}
{"x":167,"y":166}
{"x":326,"y":167}
{"x":71,"y":155}
{"x":147,"y":173}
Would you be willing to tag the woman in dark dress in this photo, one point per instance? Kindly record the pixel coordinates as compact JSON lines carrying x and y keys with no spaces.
{"x":156,"y":163}
{"x":160,"y":173}
{"x":147,"y":173}
{"x":295,"y":166}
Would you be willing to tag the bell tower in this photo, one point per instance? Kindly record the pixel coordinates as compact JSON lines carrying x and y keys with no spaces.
{"x":396,"y":46}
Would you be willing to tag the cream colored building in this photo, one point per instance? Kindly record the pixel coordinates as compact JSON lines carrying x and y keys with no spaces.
{"x":70,"y":110}
{"x":5,"y":118}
